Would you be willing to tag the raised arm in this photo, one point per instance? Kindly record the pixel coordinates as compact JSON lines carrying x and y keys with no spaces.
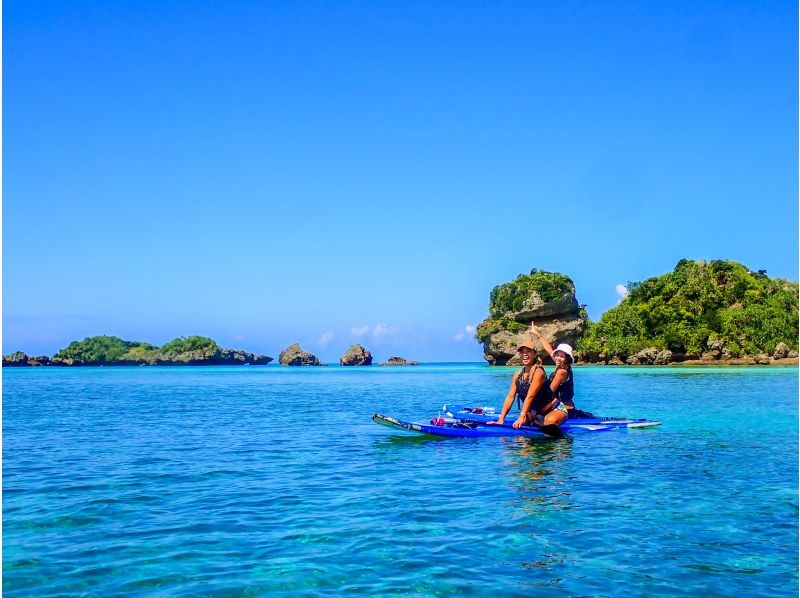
{"x":545,"y":345}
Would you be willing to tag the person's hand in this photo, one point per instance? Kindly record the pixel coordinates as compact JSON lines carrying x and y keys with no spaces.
{"x":535,"y":330}
{"x":519,"y":422}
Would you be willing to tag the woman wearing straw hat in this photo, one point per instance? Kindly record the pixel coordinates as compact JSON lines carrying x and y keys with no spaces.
{"x":530,"y":386}
{"x":561,"y":381}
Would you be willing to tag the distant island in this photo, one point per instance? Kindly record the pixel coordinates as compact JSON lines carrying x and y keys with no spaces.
{"x":111,"y":350}
{"x":193,"y":350}
{"x":704,"y":312}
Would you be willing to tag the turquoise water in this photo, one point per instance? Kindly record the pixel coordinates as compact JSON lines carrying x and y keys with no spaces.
{"x":268,"y":480}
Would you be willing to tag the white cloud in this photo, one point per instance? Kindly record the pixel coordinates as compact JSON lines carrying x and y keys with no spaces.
{"x":622,"y":291}
{"x":377,"y":331}
{"x":468,"y":330}
{"x":326,"y":337}
{"x":380,"y":330}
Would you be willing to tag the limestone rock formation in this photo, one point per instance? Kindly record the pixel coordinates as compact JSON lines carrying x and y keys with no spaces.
{"x":715,"y":348}
{"x":664,"y":357}
{"x":651,"y":356}
{"x":356,"y":355}
{"x":399,"y":361}
{"x":534,"y":307}
{"x":16,"y":359}
{"x":294,"y":355}
{"x":782,"y":351}
{"x":544,"y":298}
{"x":259,"y":359}
{"x":237,"y":356}
{"x":20,"y":359}
{"x":215,"y":356}
{"x":63,"y":362}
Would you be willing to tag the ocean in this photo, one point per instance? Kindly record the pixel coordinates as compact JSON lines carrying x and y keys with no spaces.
{"x":249,"y":481}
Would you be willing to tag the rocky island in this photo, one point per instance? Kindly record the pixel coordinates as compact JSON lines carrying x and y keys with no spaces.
{"x":395,"y":360}
{"x":356,"y":355}
{"x":704,"y":312}
{"x":111,"y":350}
{"x":547,"y":298}
{"x":294,"y":355}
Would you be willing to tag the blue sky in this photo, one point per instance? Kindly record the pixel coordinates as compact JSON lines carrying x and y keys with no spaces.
{"x":333,"y":172}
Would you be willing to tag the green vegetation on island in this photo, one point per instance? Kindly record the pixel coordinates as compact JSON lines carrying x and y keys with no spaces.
{"x":511,"y":304}
{"x":102,"y":349}
{"x":512,"y":296}
{"x":718,"y":307}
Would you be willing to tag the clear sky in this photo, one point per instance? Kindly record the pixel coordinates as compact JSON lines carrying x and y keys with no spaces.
{"x":332,"y":172}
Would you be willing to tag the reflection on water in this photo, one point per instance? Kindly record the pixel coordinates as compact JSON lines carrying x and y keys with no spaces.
{"x":540,"y":465}
{"x":540,"y":469}
{"x":536,"y":459}
{"x":401,"y":439}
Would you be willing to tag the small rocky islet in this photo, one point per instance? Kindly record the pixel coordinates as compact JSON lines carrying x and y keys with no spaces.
{"x":356,"y":355}
{"x":701,"y":313}
{"x":295,"y":355}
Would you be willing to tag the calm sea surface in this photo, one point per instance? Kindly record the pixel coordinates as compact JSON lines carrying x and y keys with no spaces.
{"x":267,"y":480}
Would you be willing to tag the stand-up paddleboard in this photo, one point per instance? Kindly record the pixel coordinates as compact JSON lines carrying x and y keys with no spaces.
{"x":487,"y":414}
{"x":455,"y":428}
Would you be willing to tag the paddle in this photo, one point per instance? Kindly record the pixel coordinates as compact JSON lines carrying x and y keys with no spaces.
{"x":553,"y":431}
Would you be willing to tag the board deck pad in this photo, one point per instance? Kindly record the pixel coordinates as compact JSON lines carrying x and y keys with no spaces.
{"x":471,"y":429}
{"x":487,"y":414}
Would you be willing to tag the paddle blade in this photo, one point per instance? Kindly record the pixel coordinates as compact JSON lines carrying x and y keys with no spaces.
{"x":553,"y":431}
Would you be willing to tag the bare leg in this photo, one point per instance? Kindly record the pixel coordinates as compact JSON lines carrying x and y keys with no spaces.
{"x":555,"y":417}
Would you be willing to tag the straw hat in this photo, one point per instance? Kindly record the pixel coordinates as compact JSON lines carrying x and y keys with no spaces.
{"x":527,"y":345}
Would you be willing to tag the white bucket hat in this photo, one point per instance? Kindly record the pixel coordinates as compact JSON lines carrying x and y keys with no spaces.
{"x":567,"y":350}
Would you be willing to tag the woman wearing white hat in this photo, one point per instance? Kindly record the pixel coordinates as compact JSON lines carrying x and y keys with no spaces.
{"x":561,"y":381}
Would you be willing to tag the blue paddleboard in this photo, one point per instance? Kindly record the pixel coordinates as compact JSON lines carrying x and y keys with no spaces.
{"x":487,"y":414}
{"x":453,"y":428}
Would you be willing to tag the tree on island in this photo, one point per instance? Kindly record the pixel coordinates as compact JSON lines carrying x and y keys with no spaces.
{"x":200,"y":344}
{"x":719,"y":304}
{"x":101,"y":349}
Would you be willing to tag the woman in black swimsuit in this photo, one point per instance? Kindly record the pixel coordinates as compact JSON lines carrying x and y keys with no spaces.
{"x":561,"y":381}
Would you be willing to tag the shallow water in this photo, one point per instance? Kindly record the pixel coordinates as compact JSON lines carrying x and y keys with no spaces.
{"x":264,"y":480}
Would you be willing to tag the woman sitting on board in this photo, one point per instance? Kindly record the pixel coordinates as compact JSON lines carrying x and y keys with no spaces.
{"x":561,"y":381}
{"x":530,"y":387}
